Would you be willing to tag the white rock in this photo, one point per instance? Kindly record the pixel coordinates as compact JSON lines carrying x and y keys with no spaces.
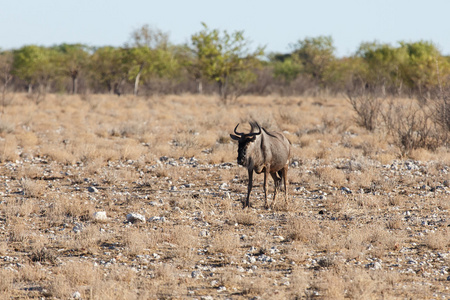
{"x":196,"y":274}
{"x":76,"y":295}
{"x":375,"y":266}
{"x":78,"y":227}
{"x":92,"y":189}
{"x":203,"y":233}
{"x":100,"y":216}
{"x":135,"y":217}
{"x":156,"y":219}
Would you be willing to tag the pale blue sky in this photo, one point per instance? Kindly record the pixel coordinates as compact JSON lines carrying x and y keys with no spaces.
{"x":275,"y":24}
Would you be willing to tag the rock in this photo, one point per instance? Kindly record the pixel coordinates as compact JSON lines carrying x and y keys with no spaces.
{"x":346,"y":190}
{"x":221,"y":289}
{"x":78,"y":227}
{"x":76,"y":295}
{"x":135,"y":217}
{"x":251,"y":259}
{"x":374,"y":266}
{"x":100,"y":216}
{"x":92,"y":189}
{"x":156,"y":219}
{"x":196,"y":274}
{"x":203,"y":233}
{"x":279,"y":237}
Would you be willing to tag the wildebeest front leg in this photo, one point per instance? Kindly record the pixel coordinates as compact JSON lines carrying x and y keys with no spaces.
{"x":249,"y":188}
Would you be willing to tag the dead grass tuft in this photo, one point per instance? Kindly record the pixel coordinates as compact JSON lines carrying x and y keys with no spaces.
{"x":225,"y":242}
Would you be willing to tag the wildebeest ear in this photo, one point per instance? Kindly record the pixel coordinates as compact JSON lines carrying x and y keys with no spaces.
{"x":234,"y":137}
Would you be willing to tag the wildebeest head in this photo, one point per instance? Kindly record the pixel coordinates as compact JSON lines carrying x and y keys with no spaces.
{"x":245,"y":141}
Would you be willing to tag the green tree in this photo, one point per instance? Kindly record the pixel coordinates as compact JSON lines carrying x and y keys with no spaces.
{"x":286,"y":68}
{"x":218,"y":57}
{"x":420,"y":69}
{"x":36,"y":65}
{"x":316,"y":55}
{"x":383,"y":65}
{"x":108,"y":67}
{"x":73,"y":59}
{"x":146,"y":54}
{"x":6,"y":67}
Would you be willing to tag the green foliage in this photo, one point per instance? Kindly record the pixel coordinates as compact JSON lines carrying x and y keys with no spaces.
{"x":383,"y":64}
{"x":225,"y":62}
{"x":150,"y":55}
{"x":287,"y":70}
{"x":35,"y":64}
{"x":420,"y":71}
{"x":6,"y":67}
{"x":108,"y":66}
{"x":316,"y":55}
{"x":73,"y":59}
{"x":218,"y":56}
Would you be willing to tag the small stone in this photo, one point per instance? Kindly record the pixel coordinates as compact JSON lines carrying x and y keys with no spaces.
{"x":100,"y":216}
{"x":76,"y":295}
{"x":375,"y":266}
{"x":203,"y":233}
{"x":196,"y":274}
{"x":279,"y":237}
{"x":92,"y":189}
{"x":78,"y":227}
{"x":135,"y":217}
{"x":221,"y":289}
{"x":156,"y":219}
{"x":346,"y":190}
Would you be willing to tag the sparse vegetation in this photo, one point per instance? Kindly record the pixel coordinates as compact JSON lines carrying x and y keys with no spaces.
{"x":363,"y":220}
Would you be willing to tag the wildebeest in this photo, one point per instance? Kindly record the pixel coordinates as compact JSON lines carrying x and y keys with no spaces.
{"x":263,"y":151}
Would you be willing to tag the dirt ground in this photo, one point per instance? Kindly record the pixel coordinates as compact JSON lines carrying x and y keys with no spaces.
{"x":106,"y":197}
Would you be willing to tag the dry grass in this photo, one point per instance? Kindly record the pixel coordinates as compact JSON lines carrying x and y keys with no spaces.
{"x":361,"y":222}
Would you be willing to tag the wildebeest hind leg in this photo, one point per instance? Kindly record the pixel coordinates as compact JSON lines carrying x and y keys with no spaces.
{"x":277,"y":183}
{"x":285,"y":181}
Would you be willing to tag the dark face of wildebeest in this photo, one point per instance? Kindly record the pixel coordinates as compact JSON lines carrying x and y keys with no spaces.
{"x":244,"y":143}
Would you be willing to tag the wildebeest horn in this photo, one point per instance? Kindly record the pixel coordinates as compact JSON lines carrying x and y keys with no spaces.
{"x":238,"y":133}
{"x":253,"y":124}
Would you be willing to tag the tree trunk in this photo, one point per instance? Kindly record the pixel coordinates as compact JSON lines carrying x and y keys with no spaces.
{"x":199,"y":86}
{"x":136,"y":83}
{"x":74,"y":85}
{"x":223,"y":89}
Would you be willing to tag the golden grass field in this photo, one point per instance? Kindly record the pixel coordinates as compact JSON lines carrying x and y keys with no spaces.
{"x":361,"y":221}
